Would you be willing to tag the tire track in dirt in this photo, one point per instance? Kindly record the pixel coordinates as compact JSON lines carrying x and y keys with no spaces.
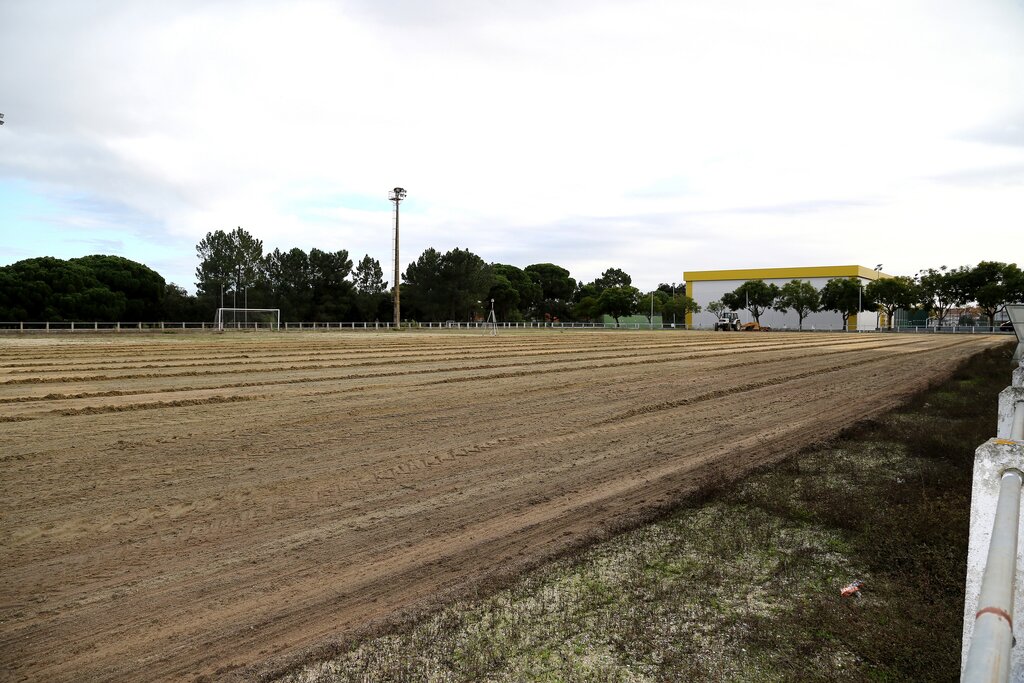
{"x":244,"y":366}
{"x":265,"y":358}
{"x":243,"y":369}
{"x":663,"y":357}
{"x":647,"y":411}
{"x":775,"y":382}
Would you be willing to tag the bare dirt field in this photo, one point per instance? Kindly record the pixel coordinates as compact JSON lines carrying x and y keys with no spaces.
{"x":179,"y":506}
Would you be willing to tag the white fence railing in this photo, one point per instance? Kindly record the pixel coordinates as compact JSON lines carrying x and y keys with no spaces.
{"x":93,"y":326}
{"x":994,"y":603}
{"x":256,"y":325}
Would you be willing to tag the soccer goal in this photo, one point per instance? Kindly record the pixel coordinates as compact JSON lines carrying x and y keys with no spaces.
{"x":248,"y":318}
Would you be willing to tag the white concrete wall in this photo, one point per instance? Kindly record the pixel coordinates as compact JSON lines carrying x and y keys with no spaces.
{"x":1009,"y":398}
{"x":704,"y":292}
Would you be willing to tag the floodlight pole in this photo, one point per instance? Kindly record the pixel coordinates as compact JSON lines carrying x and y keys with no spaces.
{"x":878,"y":274}
{"x":397,"y":195}
{"x":860,"y":303}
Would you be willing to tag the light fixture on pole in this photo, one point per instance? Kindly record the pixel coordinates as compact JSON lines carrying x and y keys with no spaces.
{"x":397,"y":195}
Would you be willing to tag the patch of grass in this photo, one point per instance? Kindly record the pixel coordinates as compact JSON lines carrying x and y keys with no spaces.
{"x":742,"y":584}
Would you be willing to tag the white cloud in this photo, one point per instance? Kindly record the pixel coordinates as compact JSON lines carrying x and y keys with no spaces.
{"x":657,"y":136}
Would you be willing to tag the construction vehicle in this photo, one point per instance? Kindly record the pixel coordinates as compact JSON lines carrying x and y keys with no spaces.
{"x":730,"y":320}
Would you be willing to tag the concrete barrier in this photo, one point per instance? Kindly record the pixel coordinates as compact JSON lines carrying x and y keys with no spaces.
{"x":994,"y":601}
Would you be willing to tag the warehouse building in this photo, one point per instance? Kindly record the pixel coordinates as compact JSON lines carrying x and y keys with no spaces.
{"x":705,"y":286}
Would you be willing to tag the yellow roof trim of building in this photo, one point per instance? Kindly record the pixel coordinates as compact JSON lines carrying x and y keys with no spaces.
{"x":783,"y":273}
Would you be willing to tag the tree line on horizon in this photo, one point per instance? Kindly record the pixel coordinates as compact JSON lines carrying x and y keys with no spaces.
{"x":325,"y":286}
{"x":935,"y":292}
{"x":455,"y":285}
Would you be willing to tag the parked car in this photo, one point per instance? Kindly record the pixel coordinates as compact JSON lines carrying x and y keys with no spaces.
{"x":1006,"y":327}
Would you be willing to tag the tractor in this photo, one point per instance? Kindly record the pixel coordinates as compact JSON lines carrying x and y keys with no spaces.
{"x":730,"y":320}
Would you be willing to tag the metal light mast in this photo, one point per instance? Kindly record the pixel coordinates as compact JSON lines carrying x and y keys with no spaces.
{"x":397,"y":195}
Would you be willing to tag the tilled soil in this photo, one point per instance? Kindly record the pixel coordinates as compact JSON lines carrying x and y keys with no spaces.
{"x":176,"y":506}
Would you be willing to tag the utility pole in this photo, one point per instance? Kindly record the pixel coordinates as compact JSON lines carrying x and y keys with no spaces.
{"x":878,"y":274}
{"x":397,"y":195}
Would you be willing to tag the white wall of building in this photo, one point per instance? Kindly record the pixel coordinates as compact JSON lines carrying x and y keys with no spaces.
{"x":706,"y":291}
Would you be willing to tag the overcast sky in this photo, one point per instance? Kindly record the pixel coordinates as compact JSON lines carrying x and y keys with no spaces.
{"x":653,"y":136}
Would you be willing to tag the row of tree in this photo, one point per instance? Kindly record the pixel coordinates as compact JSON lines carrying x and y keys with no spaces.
{"x":87,"y":288}
{"x":316,"y":286}
{"x":325,"y":286}
{"x":455,"y":285}
{"x":989,"y":285}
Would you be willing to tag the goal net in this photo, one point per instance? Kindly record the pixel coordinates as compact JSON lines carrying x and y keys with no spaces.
{"x":248,"y":318}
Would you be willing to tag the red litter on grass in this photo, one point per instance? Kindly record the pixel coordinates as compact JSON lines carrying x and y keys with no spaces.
{"x":852,"y":589}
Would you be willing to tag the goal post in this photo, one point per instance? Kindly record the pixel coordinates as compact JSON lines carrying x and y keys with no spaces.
{"x":248,"y":318}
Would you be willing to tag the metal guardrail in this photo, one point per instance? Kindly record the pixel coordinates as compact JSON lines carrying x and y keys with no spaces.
{"x":995,"y":568}
{"x":988,"y":658}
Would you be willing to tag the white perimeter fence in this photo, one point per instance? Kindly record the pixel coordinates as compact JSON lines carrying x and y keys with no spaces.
{"x":449,"y":325}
